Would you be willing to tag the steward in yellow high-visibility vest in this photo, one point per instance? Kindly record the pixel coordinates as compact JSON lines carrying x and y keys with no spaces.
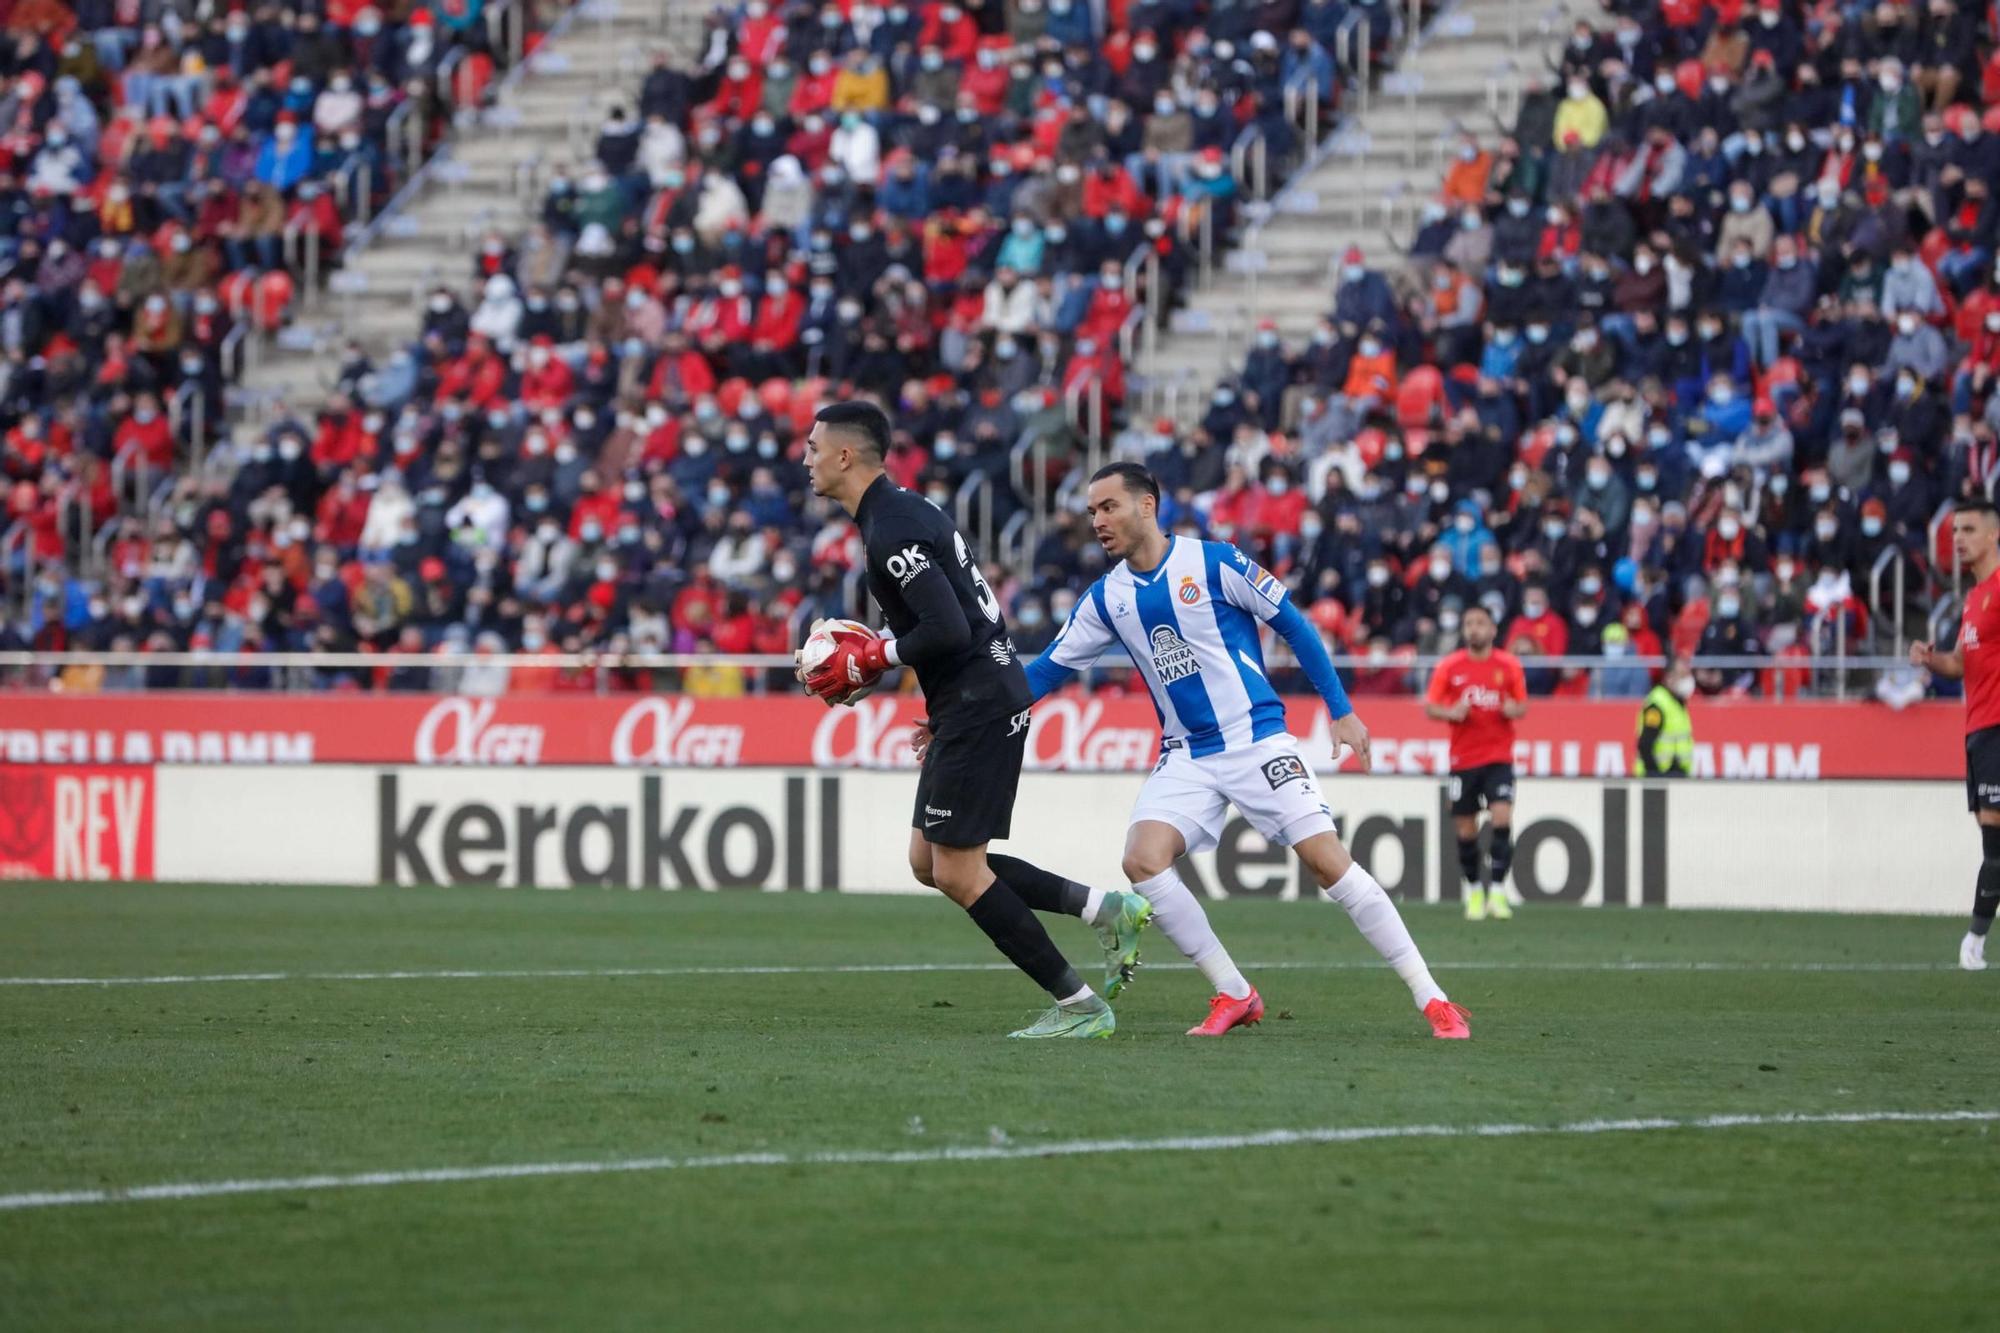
{"x":1666,"y":732}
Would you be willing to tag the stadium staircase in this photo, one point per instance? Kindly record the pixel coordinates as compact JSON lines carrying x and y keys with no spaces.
{"x":489,"y":176}
{"x":1362,"y":187}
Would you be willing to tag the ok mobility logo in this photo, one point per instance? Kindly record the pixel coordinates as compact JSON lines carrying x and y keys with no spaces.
{"x":1556,"y":859}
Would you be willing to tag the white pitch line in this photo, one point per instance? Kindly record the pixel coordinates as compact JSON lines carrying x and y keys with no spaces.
{"x":837,"y":969}
{"x":1272,"y":1138}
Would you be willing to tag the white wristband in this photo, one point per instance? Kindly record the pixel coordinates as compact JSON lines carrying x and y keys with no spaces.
{"x":889,"y":651}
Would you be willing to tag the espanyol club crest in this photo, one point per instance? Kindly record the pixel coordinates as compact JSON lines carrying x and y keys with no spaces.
{"x":1190,"y":591}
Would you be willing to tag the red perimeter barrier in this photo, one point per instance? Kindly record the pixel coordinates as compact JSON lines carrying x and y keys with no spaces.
{"x":1735,"y":739}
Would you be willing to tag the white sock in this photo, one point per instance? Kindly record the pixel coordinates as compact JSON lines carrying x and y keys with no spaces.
{"x":1078,"y":998}
{"x":1181,"y":919}
{"x":1369,"y":908}
{"x":1092,"y":905}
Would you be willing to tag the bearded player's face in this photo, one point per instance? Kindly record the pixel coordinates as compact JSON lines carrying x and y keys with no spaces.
{"x":1119,"y":516}
{"x":1478,"y":630}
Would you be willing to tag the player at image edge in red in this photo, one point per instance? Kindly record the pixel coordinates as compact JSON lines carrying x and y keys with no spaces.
{"x":1975,"y":540}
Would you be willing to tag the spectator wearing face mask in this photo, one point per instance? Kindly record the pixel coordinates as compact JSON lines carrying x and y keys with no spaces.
{"x":1873,"y":536}
{"x":1619,"y":681}
{"x":1538,"y":632}
{"x":1730,"y":633}
{"x":1266,"y":372}
{"x":1363,"y":297}
{"x":1917,"y":354}
{"x":1896,"y":112}
{"x":1465,"y":539}
{"x":1917,"y":416}
{"x":1581,"y":116}
{"x":1766,"y":443}
{"x":1783,"y":304}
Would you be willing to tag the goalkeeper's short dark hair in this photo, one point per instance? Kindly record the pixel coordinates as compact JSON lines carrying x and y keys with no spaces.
{"x":865,"y":419}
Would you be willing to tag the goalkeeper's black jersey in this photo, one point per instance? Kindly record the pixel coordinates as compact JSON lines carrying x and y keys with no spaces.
{"x":946,"y":620}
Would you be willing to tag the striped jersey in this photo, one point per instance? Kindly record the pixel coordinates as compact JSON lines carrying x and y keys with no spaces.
{"x":1191,"y":627}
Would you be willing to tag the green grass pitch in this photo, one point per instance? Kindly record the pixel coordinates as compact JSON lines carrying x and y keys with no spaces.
{"x":1856,"y":1225}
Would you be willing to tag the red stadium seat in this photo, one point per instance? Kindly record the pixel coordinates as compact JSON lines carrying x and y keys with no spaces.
{"x":1420,"y":399}
{"x":271,"y":299}
{"x":776,"y":396}
{"x":729,"y":394}
{"x":1369,"y":444}
{"x":806,"y":400}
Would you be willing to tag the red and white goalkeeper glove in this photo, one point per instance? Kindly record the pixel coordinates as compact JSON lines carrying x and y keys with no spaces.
{"x":854,"y":662}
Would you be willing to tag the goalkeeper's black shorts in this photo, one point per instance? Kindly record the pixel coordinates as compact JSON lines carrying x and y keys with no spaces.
{"x":965,"y":792}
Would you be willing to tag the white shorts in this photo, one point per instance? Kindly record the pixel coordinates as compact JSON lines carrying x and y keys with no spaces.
{"x":1270,"y":783}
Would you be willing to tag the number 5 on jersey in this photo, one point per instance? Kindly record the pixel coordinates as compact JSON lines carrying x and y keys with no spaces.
{"x":987,"y":601}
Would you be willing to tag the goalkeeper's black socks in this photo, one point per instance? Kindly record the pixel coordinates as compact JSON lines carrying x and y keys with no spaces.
{"x":1041,"y":890}
{"x":1014,"y":931}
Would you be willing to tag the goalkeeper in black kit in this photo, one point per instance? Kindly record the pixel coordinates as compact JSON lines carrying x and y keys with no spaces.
{"x":947,"y":627}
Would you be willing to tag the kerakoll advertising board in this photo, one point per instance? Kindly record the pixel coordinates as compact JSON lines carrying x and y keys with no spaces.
{"x":1590,"y":842}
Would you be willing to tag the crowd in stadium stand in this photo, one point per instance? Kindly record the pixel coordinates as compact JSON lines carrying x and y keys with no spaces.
{"x":1710,"y":330}
{"x":153,"y":159}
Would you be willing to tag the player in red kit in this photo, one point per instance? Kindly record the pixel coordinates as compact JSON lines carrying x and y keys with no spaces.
{"x":1480,"y":690}
{"x":1975,"y":539}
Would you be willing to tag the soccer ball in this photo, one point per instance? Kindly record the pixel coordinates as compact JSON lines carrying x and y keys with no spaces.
{"x":820,"y":642}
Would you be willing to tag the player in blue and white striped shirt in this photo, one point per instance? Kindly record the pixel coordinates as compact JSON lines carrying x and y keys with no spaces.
{"x":1189,"y":613}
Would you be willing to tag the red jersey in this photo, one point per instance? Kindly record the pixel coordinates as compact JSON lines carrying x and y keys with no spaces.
{"x":1486,"y":736}
{"x":1979,"y":643}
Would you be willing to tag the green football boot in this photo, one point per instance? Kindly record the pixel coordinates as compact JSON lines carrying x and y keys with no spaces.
{"x":1087,"y":1018}
{"x":1124,"y":915}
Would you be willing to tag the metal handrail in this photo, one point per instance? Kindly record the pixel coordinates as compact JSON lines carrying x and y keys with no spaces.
{"x":131,"y":459}
{"x":332,"y":661}
{"x":302,"y":234}
{"x":854,"y":596}
{"x":1206,"y":234}
{"x":74,"y":495}
{"x":186,"y":401}
{"x":976,"y":489}
{"x":1012,"y":537}
{"x":357,"y":185}
{"x":500,"y":31}
{"x":1356,"y":53}
{"x":402,"y":136}
{"x":1890,"y":555}
{"x":1035,"y":489}
{"x":1088,"y":394}
{"x":447,"y":75}
{"x":229,"y":355}
{"x":1128,"y":333}
{"x":100,"y":549}
{"x":1942,"y":615}
{"x":1248,"y":160}
{"x":1815,"y":627}
{"x":1301,"y":97}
